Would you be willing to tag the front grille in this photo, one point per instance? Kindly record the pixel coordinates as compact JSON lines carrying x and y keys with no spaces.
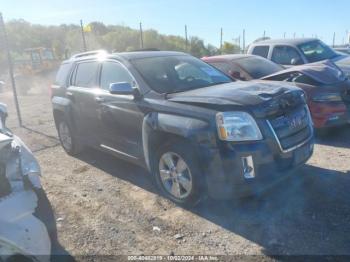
{"x":292,"y":128}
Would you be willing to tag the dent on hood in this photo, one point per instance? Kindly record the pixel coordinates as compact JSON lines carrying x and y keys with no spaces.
{"x":325,"y":72}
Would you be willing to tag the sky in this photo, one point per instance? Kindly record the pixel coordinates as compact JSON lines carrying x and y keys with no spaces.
{"x":204,"y":18}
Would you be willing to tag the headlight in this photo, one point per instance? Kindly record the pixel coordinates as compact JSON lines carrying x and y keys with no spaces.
{"x":237,"y":126}
{"x":327,"y":97}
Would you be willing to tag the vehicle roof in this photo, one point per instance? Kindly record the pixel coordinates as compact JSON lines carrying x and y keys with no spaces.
{"x":146,"y":54}
{"x":290,"y":41}
{"x":227,"y":57}
{"x":124,"y":55}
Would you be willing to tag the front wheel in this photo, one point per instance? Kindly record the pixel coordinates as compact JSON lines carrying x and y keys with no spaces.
{"x":177,"y":173}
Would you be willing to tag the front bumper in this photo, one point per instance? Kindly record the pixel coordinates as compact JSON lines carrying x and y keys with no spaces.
{"x":226,"y":168}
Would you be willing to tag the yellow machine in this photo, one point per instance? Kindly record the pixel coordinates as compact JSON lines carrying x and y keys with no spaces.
{"x":41,"y":63}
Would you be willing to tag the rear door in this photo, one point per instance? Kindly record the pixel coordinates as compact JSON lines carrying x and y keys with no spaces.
{"x":120,"y":115}
{"x":81,"y":92}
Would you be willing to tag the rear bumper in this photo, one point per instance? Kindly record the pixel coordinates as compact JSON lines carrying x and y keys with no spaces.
{"x":329,"y":114}
{"x":225,"y":171}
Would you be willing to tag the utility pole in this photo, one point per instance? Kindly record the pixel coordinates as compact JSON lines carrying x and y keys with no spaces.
{"x":83,"y":35}
{"x":239,"y":43}
{"x":243,"y":41}
{"x":221,"y":41}
{"x":333,"y":39}
{"x":141,"y":35}
{"x":186,"y":38}
{"x":3,"y":36}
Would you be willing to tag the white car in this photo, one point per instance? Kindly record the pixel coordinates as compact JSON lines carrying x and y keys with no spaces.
{"x":21,"y":233}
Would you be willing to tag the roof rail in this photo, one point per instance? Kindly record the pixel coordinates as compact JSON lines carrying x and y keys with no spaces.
{"x":89,"y":53}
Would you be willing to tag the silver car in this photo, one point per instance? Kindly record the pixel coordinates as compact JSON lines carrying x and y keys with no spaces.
{"x":21,"y":233}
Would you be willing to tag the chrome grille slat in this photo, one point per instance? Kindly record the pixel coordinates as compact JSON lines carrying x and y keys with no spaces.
{"x":290,"y":138}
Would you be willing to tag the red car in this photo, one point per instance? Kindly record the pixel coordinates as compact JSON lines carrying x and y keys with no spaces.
{"x":326,"y":86}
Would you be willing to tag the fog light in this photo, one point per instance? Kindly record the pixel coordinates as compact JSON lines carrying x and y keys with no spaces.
{"x":248,"y":167}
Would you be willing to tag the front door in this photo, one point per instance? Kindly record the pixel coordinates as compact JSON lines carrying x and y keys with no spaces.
{"x":120,"y":115}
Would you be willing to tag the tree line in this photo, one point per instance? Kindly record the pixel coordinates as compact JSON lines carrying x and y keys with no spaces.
{"x":66,"y":39}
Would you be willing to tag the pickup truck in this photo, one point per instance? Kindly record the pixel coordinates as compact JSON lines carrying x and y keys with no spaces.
{"x":195,"y":129}
{"x":299,"y":51}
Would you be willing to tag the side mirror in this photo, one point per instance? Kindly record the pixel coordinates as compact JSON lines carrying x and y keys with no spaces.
{"x":121,"y":88}
{"x":3,"y":115}
{"x":296,"y":61}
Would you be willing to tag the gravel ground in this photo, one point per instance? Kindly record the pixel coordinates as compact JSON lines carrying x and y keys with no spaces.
{"x":104,"y":206}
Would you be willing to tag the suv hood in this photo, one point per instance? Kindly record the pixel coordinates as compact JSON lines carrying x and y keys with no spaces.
{"x":261,"y":97}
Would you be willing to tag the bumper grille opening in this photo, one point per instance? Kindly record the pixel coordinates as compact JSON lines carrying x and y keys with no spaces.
{"x":292,"y":129}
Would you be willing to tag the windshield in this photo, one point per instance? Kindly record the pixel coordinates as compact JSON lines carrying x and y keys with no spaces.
{"x":170,"y":74}
{"x":315,"y":51}
{"x":258,"y":67}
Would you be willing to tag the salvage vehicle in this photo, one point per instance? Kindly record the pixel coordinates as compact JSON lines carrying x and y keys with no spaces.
{"x":298,"y":51}
{"x":23,"y":237}
{"x":194,"y":128}
{"x":327,"y":88}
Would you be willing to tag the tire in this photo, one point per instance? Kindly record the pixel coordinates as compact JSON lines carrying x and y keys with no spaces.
{"x":184,"y":177}
{"x":68,"y":138}
{"x":322,"y":132}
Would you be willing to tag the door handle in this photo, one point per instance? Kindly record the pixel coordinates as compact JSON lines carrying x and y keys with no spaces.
{"x":99,"y":99}
{"x":70,"y":95}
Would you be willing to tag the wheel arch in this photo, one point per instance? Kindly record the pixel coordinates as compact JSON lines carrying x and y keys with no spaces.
{"x":160,"y":128}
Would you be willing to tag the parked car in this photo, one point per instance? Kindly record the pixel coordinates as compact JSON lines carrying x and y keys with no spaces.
{"x":327,"y":88}
{"x":23,"y":237}
{"x":195,"y":129}
{"x":299,"y":51}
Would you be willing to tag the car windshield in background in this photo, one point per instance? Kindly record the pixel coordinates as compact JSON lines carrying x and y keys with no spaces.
{"x":258,"y":67}
{"x":171,"y":74}
{"x":317,"y":51}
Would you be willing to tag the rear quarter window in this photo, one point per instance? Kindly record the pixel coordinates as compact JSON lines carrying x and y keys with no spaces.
{"x":62,"y":75}
{"x":261,"y":51}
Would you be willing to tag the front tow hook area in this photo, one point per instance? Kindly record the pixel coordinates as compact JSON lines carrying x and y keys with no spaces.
{"x":248,"y":167}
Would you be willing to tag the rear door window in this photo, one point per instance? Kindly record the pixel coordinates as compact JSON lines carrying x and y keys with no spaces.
{"x":62,"y":75}
{"x":86,"y":74}
{"x":261,"y":51}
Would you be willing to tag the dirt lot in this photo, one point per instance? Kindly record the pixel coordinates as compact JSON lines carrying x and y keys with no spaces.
{"x":107,"y":206}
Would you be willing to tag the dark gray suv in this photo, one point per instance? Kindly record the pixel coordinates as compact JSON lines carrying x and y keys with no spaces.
{"x":189,"y":124}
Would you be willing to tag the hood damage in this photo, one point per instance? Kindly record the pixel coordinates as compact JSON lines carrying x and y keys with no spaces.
{"x":325,"y":73}
{"x":21,"y":233}
{"x":262,"y":98}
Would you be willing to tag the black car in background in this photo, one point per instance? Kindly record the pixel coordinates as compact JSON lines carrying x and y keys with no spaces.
{"x":194,"y":128}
